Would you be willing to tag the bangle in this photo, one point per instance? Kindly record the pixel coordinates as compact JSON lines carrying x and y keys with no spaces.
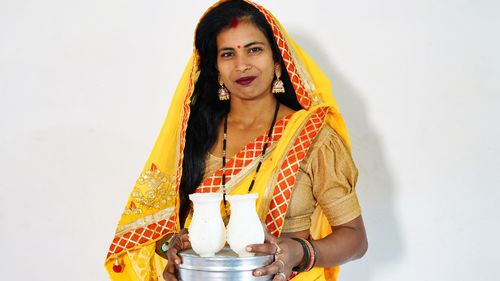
{"x":307,"y":254}
{"x":313,"y":256}
{"x":310,"y":254}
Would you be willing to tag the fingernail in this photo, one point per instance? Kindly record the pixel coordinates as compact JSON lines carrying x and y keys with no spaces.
{"x":177,"y":262}
{"x":249,"y":248}
{"x":258,"y":273}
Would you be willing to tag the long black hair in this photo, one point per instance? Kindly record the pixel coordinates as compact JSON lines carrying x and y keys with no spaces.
{"x":207,"y":111}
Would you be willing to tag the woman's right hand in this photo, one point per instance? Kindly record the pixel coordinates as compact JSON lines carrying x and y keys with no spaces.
{"x":178,"y":243}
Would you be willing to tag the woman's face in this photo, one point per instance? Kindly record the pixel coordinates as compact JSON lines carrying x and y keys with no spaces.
{"x":245,"y":61}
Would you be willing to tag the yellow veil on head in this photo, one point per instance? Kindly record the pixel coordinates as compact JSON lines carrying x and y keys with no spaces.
{"x":153,"y":206}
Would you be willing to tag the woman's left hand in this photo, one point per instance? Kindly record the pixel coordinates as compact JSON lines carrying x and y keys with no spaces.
{"x":287,"y":254}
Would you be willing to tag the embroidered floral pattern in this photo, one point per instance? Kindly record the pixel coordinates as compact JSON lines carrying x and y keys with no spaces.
{"x":153,"y":190}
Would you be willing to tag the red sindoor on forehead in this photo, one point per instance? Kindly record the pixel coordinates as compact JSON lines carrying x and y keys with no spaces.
{"x":234,"y":23}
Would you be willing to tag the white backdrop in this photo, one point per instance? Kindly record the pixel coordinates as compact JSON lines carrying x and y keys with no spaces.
{"x":85,"y":86}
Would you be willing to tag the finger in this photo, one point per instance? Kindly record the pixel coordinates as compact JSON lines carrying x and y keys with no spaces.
{"x":281,"y":265}
{"x":185,"y":242}
{"x":271,"y":269}
{"x":280,"y":277}
{"x":178,"y":244}
{"x":268,"y":237}
{"x":266,"y":248}
{"x":172,"y":255}
{"x":169,"y":272}
{"x":186,"y":245}
{"x":184,"y":237}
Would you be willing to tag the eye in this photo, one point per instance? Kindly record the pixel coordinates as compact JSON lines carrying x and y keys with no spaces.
{"x":255,"y":50}
{"x":226,"y":54}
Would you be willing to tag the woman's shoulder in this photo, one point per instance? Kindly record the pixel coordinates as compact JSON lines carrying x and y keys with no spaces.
{"x":327,"y":136}
{"x":327,"y":141}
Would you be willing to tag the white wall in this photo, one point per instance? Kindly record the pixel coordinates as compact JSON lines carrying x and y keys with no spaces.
{"x":85,"y":86}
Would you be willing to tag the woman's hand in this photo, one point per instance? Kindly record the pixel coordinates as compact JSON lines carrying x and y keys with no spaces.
{"x":178,"y":243}
{"x":287,"y":254}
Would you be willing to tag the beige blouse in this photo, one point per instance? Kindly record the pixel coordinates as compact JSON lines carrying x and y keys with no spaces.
{"x":327,"y":176}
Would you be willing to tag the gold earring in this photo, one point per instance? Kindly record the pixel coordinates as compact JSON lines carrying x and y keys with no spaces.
{"x":278,"y":86}
{"x":223,"y":92}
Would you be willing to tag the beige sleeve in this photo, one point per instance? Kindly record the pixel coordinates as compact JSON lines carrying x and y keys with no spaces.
{"x":334,"y":175}
{"x":327,"y":177}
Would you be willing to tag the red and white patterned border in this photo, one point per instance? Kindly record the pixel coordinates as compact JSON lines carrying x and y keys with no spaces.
{"x":302,"y":95}
{"x":288,"y":171}
{"x":243,"y":158}
{"x":142,"y":235}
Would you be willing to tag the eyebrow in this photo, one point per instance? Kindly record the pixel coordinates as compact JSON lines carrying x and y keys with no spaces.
{"x":245,"y":46}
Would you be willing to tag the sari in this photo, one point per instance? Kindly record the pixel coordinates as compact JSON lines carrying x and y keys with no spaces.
{"x":152,"y":209}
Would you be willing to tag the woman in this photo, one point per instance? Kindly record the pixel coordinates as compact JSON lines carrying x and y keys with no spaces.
{"x":252,"y":113}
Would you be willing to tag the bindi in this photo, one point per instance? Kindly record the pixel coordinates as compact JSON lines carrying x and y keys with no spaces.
{"x":238,"y":46}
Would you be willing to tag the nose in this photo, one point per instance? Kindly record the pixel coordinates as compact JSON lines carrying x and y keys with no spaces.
{"x":242,"y":64}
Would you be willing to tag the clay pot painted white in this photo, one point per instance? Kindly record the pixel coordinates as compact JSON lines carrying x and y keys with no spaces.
{"x":207,"y":233}
{"x":244,"y":226}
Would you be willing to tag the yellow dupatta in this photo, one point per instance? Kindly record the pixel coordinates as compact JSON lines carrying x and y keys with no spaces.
{"x":152,"y":208}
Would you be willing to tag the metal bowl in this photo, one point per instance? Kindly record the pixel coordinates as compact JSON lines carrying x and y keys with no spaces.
{"x":226,"y":265}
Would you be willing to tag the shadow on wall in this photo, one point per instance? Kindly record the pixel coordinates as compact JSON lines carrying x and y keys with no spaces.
{"x":375,"y":186}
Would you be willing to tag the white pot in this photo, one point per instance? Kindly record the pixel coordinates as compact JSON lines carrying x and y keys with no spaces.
{"x":244,"y":226}
{"x":206,"y":231}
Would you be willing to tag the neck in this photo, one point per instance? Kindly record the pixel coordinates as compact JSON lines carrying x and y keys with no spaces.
{"x":247,"y":113}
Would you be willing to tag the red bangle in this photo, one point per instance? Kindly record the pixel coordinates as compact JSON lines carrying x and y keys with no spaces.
{"x":312,"y":251}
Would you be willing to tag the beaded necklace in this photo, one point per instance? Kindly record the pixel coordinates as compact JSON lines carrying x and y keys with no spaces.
{"x":264,"y":147}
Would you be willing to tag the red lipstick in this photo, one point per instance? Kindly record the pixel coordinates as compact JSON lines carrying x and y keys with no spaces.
{"x":244,"y":81}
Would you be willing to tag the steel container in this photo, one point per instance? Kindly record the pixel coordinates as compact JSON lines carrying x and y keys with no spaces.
{"x":226,"y":265}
